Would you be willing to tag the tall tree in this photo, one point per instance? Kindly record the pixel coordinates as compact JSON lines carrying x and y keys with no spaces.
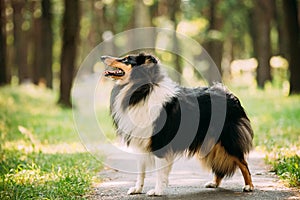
{"x":70,"y":27}
{"x":47,"y":35}
{"x":281,"y":29}
{"x":37,"y":39}
{"x":174,"y":7}
{"x":261,"y":28}
{"x":142,"y":18}
{"x":215,"y":44}
{"x":43,"y":41}
{"x":142,"y":15}
{"x":3,"y":74}
{"x":290,"y":8}
{"x":20,"y":41}
{"x":95,"y":32}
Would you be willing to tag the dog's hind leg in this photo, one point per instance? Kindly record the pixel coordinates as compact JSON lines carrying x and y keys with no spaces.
{"x":163,"y":167}
{"x":216,"y":182}
{"x":246,"y":174}
{"x":221,"y":163}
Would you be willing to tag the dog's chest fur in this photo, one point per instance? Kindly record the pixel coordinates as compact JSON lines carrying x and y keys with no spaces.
{"x":135,"y":123}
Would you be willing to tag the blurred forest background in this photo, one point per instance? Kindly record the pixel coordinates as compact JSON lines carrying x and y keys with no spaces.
{"x":255,"y":44}
{"x":44,"y":41}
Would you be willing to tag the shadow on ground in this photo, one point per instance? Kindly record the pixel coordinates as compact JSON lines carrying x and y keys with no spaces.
{"x":187,"y":181}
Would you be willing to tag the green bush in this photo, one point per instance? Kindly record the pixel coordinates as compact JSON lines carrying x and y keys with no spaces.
{"x":289,"y":169}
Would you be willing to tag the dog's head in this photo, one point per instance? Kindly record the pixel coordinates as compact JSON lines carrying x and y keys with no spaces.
{"x":122,"y":68}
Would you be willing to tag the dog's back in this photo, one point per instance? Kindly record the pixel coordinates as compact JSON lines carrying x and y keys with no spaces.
{"x":207,"y":122}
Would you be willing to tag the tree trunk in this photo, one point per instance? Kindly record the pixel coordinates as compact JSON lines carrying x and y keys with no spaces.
{"x":38,"y":49}
{"x":142,"y":15}
{"x":69,"y":49}
{"x":215,"y":45}
{"x":93,"y":36}
{"x":283,"y":42}
{"x":142,"y":19}
{"x":20,"y":42}
{"x":3,"y":67}
{"x":43,"y":46}
{"x":47,"y":42}
{"x":290,"y":8}
{"x":261,"y":26}
{"x":100,"y":19}
{"x":174,"y":6}
{"x":110,"y":26}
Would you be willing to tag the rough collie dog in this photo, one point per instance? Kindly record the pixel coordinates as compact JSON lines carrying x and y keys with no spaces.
{"x":156,"y":116}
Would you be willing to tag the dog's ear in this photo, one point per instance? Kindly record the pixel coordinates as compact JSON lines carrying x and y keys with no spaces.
{"x":145,"y":59}
{"x":140,"y":59}
{"x":150,"y":59}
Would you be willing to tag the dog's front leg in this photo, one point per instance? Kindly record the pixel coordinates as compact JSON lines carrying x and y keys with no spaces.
{"x":141,"y":167}
{"x":163,"y":167}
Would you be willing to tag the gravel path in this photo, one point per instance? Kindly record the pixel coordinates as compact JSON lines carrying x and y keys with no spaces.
{"x":187,"y":181}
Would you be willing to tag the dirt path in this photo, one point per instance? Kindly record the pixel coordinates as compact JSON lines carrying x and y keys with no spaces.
{"x":187,"y":181}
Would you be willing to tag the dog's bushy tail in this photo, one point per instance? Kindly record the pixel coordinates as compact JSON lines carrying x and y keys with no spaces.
{"x":244,"y":136}
{"x":237,"y":134}
{"x":235,"y":140}
{"x":222,"y":159}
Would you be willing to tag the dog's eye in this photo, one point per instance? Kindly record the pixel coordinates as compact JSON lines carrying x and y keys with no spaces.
{"x":129,"y":61}
{"x":125,"y":61}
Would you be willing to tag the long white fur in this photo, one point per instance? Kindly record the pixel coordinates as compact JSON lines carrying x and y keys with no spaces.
{"x":138,"y":122}
{"x":163,"y":167}
{"x":143,"y":161}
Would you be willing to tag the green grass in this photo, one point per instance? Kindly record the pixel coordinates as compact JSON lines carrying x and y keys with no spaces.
{"x":41,"y":156}
{"x":288,"y":167}
{"x":106,"y":123}
{"x":276,"y":122}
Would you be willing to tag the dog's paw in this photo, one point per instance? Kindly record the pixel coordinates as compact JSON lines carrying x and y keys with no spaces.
{"x":211,"y":185}
{"x":135,"y":190}
{"x":155,"y":192}
{"x":248,"y":188}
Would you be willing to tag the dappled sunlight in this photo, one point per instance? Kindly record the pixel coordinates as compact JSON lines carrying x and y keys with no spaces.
{"x":40,"y":151}
{"x":246,"y":65}
{"x":51,"y":180}
{"x":279,"y":62}
{"x":193,"y":27}
{"x":47,"y":137}
{"x":32,"y":176}
{"x":243,"y":72}
{"x":26,"y":174}
{"x":285,"y":151}
{"x":65,"y":148}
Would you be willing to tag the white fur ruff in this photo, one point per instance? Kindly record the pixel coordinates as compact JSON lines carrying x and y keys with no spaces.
{"x":137,"y":122}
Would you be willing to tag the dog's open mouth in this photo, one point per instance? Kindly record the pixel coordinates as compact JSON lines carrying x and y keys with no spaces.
{"x":114,"y":72}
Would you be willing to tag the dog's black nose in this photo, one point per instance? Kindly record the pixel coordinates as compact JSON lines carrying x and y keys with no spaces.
{"x":103,"y":57}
